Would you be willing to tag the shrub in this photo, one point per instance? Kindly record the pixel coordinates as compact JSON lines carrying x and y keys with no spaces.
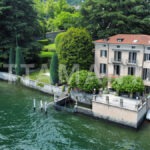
{"x":128,"y":84}
{"x":84,"y":80}
{"x":44,"y":41}
{"x":40,"y":84}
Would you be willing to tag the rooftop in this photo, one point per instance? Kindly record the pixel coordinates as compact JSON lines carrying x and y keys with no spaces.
{"x":140,"y":39}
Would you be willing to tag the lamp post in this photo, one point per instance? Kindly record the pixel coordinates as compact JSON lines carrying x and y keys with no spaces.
{"x":94,"y":94}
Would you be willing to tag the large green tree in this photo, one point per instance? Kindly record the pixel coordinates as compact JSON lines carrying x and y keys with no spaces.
{"x":128,"y":84}
{"x":108,"y":17}
{"x":18,"y":20}
{"x":18,"y":24}
{"x":53,"y":15}
{"x":74,"y":47}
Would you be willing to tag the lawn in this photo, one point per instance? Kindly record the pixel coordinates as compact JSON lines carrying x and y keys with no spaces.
{"x":49,"y":47}
{"x":41,"y":76}
{"x":47,"y":51}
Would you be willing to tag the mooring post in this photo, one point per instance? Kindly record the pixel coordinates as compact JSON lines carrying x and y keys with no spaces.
{"x":34,"y":104}
{"x":45,"y":107}
{"x":41,"y":105}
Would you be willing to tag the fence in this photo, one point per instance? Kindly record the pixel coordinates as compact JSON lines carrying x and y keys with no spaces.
{"x":43,"y":87}
{"x":81,"y":97}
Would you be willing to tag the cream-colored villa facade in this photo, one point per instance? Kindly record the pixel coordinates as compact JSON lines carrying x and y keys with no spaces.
{"x":123,"y":54}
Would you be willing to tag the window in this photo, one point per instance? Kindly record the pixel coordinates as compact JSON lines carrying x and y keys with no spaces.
{"x":120,"y":40}
{"x":146,"y":57}
{"x":131,"y":70}
{"x":146,"y":74}
{"x":117,"y":55}
{"x":103,"y":53}
{"x":116,"y":69}
{"x":148,"y":48}
{"x":104,"y":45}
{"x":103,"y":68}
{"x":132,"y":57}
{"x":118,"y":46}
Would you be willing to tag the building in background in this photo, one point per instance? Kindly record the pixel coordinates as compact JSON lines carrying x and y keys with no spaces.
{"x":123,"y":54}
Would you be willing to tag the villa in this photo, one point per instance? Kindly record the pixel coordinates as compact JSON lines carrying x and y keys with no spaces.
{"x":123,"y":54}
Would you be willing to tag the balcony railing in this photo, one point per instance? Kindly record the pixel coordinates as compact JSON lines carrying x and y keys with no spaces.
{"x":131,"y":62}
{"x":114,"y":60}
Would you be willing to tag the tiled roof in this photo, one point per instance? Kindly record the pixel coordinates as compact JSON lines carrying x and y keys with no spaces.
{"x":127,"y":39}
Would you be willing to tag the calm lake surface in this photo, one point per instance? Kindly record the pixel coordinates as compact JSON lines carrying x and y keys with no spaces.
{"x":23,"y":129}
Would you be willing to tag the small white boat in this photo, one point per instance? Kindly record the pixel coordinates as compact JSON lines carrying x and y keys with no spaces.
{"x":148,"y":115}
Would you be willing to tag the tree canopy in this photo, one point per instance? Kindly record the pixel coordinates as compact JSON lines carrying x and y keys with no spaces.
{"x":104,"y":18}
{"x":84,"y":80}
{"x":128,"y":84}
{"x":56,"y":15}
{"x":75,"y":47}
{"x":18,"y":20}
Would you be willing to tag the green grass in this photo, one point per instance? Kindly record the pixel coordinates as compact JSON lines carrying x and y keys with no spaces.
{"x":40,"y":76}
{"x":50,"y":47}
{"x":46,"y":54}
{"x":47,"y":51}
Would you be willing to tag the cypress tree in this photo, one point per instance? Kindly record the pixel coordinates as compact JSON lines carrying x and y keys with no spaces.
{"x":11,"y":57}
{"x":18,"y":61}
{"x":54,"y":69}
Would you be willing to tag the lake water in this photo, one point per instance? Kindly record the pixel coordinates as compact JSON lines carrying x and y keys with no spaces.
{"x":23,"y":129}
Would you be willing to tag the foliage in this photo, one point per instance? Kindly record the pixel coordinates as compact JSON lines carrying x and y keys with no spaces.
{"x":49,"y":47}
{"x":44,"y":41}
{"x":18,"y":61}
{"x":18,"y":20}
{"x":46,"y":54}
{"x":104,"y":82}
{"x":54,"y":69}
{"x":65,"y":20}
{"x":40,"y":84}
{"x":74,"y":47}
{"x":128,"y":84}
{"x":84,"y":80}
{"x":104,"y":18}
{"x":18,"y":24}
{"x":55,"y":15}
{"x":40,"y":76}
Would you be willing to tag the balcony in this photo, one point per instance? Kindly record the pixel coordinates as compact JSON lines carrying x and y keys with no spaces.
{"x":117,"y":61}
{"x":131,"y":62}
{"x":147,"y":82}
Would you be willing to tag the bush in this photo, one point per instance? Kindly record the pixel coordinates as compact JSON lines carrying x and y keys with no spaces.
{"x":40,"y":84}
{"x":44,"y":42}
{"x":128,"y":84}
{"x":84,"y":80}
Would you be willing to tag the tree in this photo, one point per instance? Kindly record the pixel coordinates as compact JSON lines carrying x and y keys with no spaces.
{"x":104,"y":18}
{"x":54,"y":69}
{"x":11,"y":57}
{"x":74,"y":47}
{"x":66,"y":20}
{"x":18,"y":20}
{"x":104,"y":82}
{"x":18,"y":61}
{"x":130,"y":84}
{"x":84,"y":80}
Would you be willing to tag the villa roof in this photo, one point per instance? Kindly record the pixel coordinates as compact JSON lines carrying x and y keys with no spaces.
{"x":140,"y":39}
